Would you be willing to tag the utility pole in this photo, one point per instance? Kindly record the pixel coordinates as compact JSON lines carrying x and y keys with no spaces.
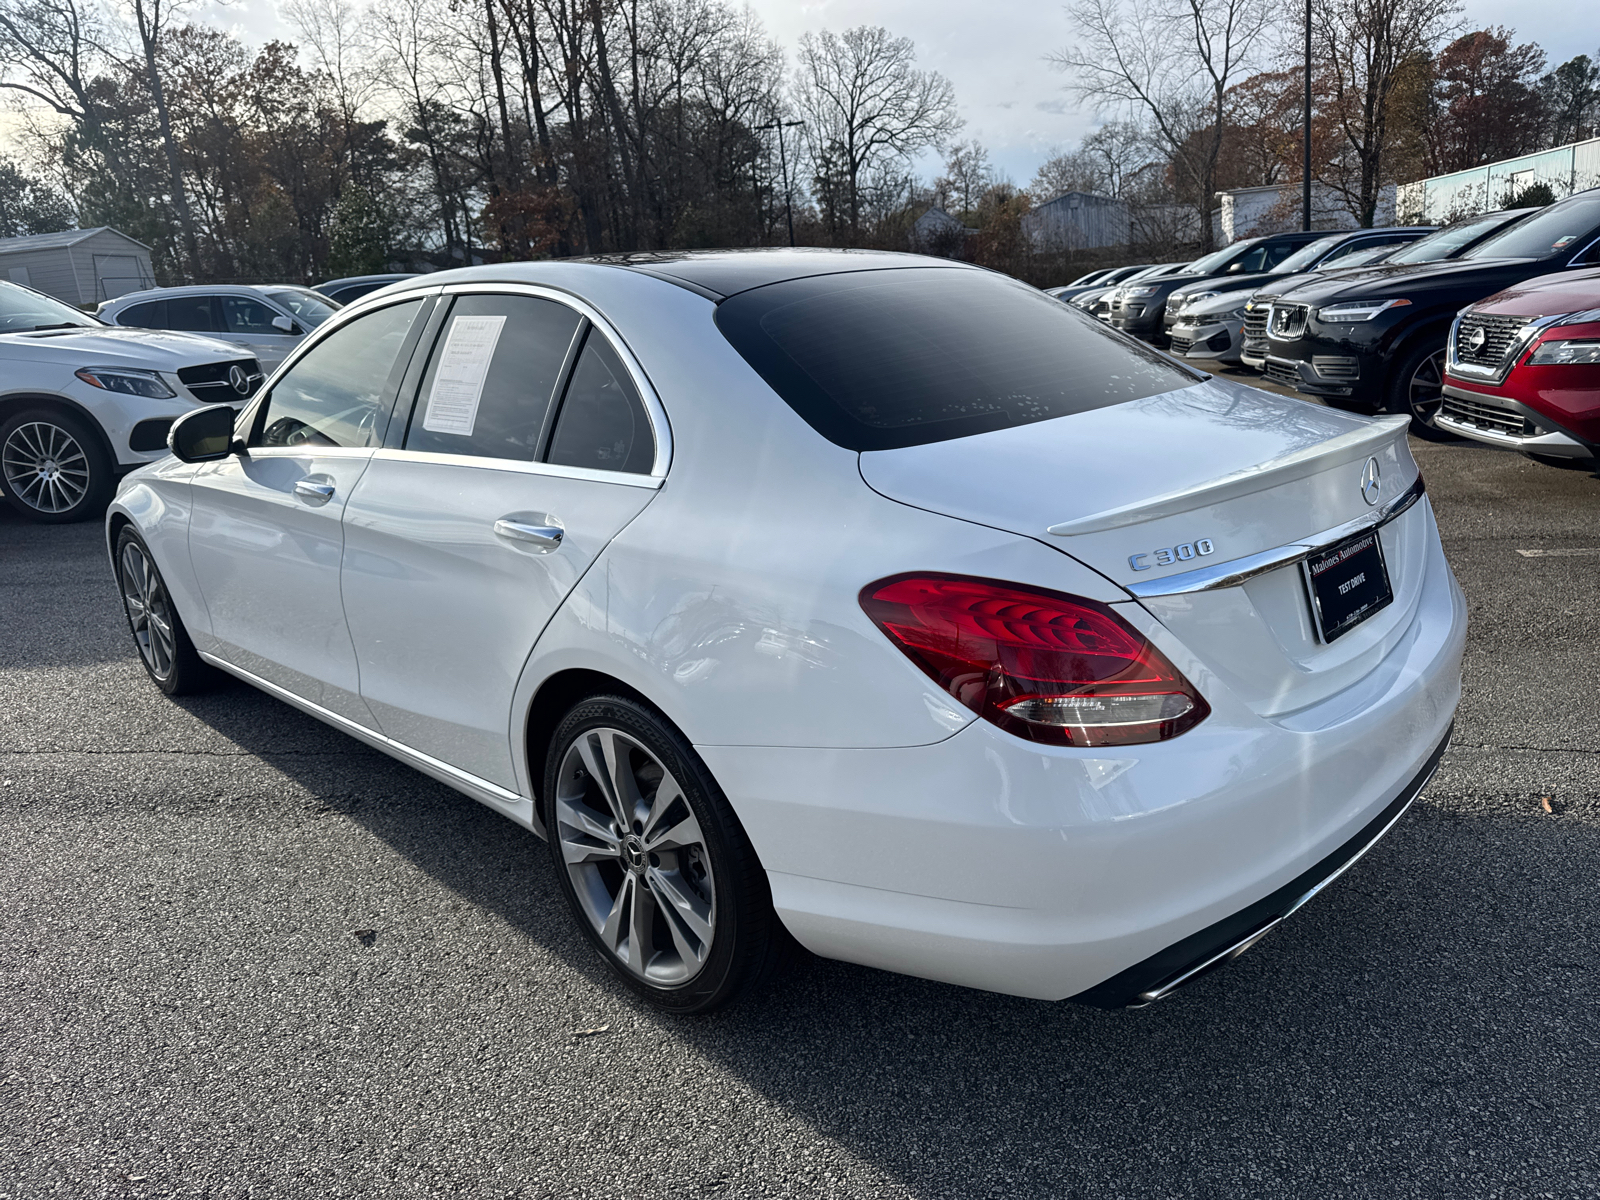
{"x":783,"y":165}
{"x":1305,"y":166}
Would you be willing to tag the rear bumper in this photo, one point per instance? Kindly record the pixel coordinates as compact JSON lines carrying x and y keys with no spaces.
{"x":1047,"y":872}
{"x":1180,"y":964}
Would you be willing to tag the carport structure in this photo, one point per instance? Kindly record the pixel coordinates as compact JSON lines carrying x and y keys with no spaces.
{"x":81,"y":266}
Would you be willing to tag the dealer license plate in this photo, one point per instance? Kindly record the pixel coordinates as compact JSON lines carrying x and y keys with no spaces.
{"x":1348,"y":584}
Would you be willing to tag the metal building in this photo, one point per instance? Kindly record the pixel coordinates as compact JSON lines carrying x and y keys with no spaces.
{"x":81,"y":266}
{"x":1077,"y":221}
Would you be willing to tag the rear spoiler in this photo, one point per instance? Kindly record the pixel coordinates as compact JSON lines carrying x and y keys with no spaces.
{"x":1310,"y":460}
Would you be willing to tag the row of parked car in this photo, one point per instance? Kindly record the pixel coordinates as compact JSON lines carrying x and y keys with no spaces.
{"x":85,"y":399}
{"x":1486,"y":328}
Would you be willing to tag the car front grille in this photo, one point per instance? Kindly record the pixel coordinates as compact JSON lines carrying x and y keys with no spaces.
{"x":1101,"y":307}
{"x":1287,"y":320}
{"x":1182,"y":345}
{"x":211,"y":382}
{"x":1483,"y":339}
{"x":1487,"y":415}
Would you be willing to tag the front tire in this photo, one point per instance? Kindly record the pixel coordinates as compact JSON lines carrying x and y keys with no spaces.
{"x":1416,"y":390}
{"x":54,"y":467}
{"x":169,"y":657}
{"x":654,"y":864}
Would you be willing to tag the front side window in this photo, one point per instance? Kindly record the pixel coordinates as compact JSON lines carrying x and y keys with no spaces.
{"x":245,"y":314}
{"x":337,"y":393}
{"x":602,"y":423}
{"x":884,"y":359}
{"x":495,"y":367}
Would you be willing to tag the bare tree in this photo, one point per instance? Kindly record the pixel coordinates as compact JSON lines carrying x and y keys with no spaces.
{"x":967,"y":176}
{"x":1363,"y":48}
{"x":1171,"y":61}
{"x":868,"y":110}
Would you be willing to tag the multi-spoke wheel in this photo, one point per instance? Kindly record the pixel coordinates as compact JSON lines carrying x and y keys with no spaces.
{"x":652,"y":860}
{"x":53,"y":466}
{"x":163,"y":643}
{"x":1416,"y":390}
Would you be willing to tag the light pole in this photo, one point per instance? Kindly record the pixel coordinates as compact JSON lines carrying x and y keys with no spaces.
{"x":1305,"y":166}
{"x":783,"y":165}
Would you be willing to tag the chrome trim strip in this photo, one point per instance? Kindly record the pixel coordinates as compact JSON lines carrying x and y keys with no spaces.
{"x":472,"y":785}
{"x":511,"y":464}
{"x":1221,"y":956}
{"x":1236,"y":571}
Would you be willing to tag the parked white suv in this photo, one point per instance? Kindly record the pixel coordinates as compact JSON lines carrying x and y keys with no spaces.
{"x":266,"y":322}
{"x":82,"y":403}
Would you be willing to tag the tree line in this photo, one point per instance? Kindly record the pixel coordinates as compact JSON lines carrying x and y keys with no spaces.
{"x":426,"y":133}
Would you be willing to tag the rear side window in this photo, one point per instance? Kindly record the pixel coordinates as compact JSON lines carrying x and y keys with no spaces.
{"x":884,"y":359}
{"x":602,"y":424}
{"x":495,"y":366}
{"x":194,"y":314}
{"x":145,"y":316}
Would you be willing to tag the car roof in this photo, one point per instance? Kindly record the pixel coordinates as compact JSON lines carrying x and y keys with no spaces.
{"x":713,"y":274}
{"x":196,"y":289}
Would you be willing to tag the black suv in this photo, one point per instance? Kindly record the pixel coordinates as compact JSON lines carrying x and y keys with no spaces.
{"x":1138,"y":307}
{"x":1375,"y":340}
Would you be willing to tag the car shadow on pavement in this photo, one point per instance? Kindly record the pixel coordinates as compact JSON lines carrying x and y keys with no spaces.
{"x":1424,"y":1028}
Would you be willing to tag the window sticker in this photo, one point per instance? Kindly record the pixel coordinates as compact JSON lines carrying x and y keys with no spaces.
{"x":1561,"y":243}
{"x":458,"y":382}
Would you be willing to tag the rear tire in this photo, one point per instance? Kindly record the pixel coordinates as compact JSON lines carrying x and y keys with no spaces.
{"x":653,"y":862}
{"x":54,"y":466}
{"x":169,"y":657}
{"x":1416,"y":390}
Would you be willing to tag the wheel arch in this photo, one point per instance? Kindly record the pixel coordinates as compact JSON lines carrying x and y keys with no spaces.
{"x":14,"y":402}
{"x":552,"y":700}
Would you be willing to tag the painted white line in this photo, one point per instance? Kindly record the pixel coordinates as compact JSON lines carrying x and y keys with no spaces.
{"x":1586,"y":552}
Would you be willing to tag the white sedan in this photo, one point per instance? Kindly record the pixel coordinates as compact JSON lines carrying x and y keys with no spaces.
{"x":873,"y":601}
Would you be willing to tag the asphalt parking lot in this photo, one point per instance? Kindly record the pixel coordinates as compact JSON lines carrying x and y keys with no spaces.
{"x":243,"y":955}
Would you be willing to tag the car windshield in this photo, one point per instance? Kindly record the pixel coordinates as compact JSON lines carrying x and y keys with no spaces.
{"x":1217,"y":259}
{"x":877,"y":360}
{"x":1306,"y":255}
{"x":1446,"y":242}
{"x":23,"y":309}
{"x":1560,"y":230}
{"x":1358,"y":258}
{"x":311,"y":308}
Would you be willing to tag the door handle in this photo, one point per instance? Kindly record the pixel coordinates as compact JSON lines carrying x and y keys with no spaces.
{"x":314,"y":490}
{"x":544,"y":538}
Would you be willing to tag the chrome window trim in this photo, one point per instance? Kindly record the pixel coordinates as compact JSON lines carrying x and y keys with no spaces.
{"x":660,"y":426}
{"x":310,"y":450}
{"x":1216,"y":576}
{"x":486,"y":463}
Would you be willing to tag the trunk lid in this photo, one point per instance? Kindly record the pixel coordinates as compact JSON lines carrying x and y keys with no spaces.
{"x":1212,"y":474}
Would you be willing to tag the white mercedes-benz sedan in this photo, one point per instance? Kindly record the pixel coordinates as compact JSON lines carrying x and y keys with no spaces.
{"x":876,"y":602}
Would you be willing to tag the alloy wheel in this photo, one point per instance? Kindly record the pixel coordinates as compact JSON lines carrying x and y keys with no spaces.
{"x":45,"y":467}
{"x":149,"y":611}
{"x":1425,"y":389}
{"x":636,"y":856}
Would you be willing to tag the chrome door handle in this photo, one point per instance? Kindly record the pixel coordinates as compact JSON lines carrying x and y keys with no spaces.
{"x":313,"y":490}
{"x":543,"y":537}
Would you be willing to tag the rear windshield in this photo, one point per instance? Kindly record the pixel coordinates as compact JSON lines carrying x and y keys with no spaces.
{"x":877,"y":360}
{"x":1558,"y":231}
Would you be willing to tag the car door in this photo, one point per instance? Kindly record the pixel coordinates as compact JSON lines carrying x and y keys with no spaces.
{"x":248,"y":321}
{"x":266,"y":536}
{"x":529,"y":447}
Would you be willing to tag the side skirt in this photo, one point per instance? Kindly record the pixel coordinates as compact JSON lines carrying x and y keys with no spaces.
{"x":519,"y":808}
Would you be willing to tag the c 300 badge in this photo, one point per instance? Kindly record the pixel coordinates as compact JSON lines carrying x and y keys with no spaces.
{"x":1168,"y":555}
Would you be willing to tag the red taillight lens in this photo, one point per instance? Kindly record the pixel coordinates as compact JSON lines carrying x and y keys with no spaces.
{"x":1047,"y":667}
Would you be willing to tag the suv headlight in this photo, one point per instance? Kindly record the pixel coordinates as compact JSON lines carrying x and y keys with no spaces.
{"x":1565,"y":353}
{"x":1195,"y":299}
{"x":1148,"y":290}
{"x":1358,"y":310}
{"x":126,"y":381}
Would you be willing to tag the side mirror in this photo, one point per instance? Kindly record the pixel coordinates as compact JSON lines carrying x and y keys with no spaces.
{"x":204,"y":435}
{"x":283,"y":324}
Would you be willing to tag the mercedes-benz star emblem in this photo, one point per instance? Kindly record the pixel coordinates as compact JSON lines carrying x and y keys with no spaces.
{"x":1477,"y":339}
{"x":239,"y":380}
{"x":1369,"y":481}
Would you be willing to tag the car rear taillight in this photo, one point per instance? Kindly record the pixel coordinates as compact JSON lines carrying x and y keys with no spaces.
{"x":1045,"y":666}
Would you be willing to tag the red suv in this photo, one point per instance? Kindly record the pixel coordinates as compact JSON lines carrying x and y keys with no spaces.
{"x":1523,"y":368}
